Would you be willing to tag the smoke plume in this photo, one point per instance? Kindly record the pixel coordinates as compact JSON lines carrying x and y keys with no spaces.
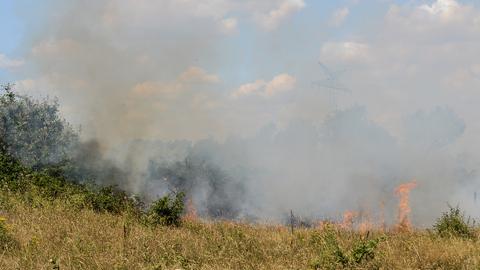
{"x":152,"y":86}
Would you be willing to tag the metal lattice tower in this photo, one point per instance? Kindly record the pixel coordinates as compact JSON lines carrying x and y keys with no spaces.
{"x":331,"y":83}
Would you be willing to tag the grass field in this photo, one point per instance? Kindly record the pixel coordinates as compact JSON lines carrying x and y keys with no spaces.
{"x":53,"y":236}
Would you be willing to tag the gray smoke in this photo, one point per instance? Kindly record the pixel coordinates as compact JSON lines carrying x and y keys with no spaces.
{"x":318,"y":170}
{"x":143,"y":84}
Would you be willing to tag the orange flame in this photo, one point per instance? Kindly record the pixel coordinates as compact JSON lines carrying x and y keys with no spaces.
{"x":347,"y":222}
{"x":323,"y":224}
{"x":191,"y":212}
{"x":365,"y":226}
{"x":403,"y":192}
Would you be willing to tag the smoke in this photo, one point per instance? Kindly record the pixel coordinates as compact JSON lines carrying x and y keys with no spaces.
{"x":151,"y":86}
{"x":347,"y":162}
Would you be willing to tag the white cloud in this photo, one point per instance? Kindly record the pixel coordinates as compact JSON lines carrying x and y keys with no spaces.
{"x":198,"y":75}
{"x":441,"y":17}
{"x":274,"y":17}
{"x":419,"y":56}
{"x":171,"y":104}
{"x":268,"y":14}
{"x":229,"y":25}
{"x":339,"y":16}
{"x":443,"y":9}
{"x":192,"y":75}
{"x":348,"y":51}
{"x":9,"y":64}
{"x":249,"y":88}
{"x":280,"y":83}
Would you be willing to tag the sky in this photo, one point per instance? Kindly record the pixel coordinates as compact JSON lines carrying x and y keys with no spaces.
{"x":393,"y":56}
{"x":252,"y":62}
{"x":188,"y":69}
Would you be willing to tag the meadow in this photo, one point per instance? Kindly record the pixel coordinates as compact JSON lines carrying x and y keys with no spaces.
{"x":53,"y":235}
{"x":58,"y":211}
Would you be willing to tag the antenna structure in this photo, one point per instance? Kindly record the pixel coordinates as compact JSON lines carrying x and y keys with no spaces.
{"x":331,"y":83}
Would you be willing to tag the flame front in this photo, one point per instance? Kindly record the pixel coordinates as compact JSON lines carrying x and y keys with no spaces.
{"x":403,"y":192}
{"x":348,"y":217}
{"x":191,"y":211}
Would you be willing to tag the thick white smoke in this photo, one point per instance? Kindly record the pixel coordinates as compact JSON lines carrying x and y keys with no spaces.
{"x":166,"y":89}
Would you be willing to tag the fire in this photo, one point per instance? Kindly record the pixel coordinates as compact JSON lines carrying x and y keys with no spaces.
{"x":365,"y":226}
{"x":191,"y":212}
{"x":403,"y":192}
{"x":348,"y":217}
{"x":323,"y":224}
{"x":366,"y":223}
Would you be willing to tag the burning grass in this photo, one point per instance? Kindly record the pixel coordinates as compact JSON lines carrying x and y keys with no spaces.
{"x":51,"y":233}
{"x":54,"y":235}
{"x":403,"y":192}
{"x":44,"y":227}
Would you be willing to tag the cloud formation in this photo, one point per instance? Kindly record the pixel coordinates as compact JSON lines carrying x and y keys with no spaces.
{"x":267,"y":14}
{"x":271,"y":19}
{"x":280,"y":83}
{"x":339,"y":16}
{"x":437,"y":19}
{"x":347,"y":51}
{"x":9,"y":64}
{"x":229,"y":25}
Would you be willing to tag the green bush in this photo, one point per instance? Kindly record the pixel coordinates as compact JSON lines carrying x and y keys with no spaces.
{"x":364,"y":250}
{"x":19,"y":179}
{"x":333,"y":256}
{"x":167,"y":210}
{"x":109,"y":199}
{"x":454,"y":224}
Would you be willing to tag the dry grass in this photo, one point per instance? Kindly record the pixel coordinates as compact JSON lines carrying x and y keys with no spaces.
{"x":88,"y":240}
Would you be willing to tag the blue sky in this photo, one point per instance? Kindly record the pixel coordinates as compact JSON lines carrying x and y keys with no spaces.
{"x":19,"y":18}
{"x":11,"y":28}
{"x":251,"y":62}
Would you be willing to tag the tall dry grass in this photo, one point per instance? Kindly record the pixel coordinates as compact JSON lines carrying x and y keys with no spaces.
{"x":53,"y":236}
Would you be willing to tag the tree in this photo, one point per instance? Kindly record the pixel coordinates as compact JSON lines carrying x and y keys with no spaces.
{"x":33,"y":131}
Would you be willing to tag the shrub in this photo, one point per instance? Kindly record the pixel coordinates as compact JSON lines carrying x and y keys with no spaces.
{"x":167,"y":210}
{"x":364,"y":250}
{"x":17,"y":178}
{"x":109,"y":199}
{"x":333,"y":256}
{"x":453,"y":224}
